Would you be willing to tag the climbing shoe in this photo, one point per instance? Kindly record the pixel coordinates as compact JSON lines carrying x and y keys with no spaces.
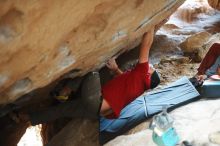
{"x":196,"y":83}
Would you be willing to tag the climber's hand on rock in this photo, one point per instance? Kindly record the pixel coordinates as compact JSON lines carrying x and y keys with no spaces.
{"x":112,"y":65}
{"x":149,"y":34}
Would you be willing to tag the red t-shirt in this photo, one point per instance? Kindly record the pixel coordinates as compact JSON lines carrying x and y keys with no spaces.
{"x":126,"y":87}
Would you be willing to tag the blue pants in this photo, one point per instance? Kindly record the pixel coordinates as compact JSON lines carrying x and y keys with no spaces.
{"x":145,"y":106}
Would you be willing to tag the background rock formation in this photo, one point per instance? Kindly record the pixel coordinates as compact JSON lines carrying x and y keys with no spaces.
{"x":42,"y":40}
{"x":215,"y":4}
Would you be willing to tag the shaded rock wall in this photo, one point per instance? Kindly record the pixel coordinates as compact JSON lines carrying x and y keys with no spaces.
{"x":77,"y":133}
{"x":41,"y":40}
{"x":11,"y":132}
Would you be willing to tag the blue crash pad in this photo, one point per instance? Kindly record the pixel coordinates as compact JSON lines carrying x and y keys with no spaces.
{"x":210,"y":88}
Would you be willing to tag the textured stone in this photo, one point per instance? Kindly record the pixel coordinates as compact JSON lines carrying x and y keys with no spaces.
{"x":42,"y":40}
{"x":77,"y":133}
{"x":214,"y":4}
{"x":192,"y":46}
{"x":11,"y":25}
{"x":196,"y":46}
{"x":195,"y":42}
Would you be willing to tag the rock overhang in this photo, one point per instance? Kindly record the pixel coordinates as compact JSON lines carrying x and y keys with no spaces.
{"x":42,"y":40}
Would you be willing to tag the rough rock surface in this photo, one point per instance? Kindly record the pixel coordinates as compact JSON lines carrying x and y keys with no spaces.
{"x":41,"y":40}
{"x":197,"y":45}
{"x":215,"y":4}
{"x":77,"y":133}
{"x":190,"y":124}
{"x":195,"y":42}
{"x":193,"y":45}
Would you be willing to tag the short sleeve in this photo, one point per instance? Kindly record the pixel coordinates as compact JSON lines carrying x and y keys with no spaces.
{"x":142,"y":68}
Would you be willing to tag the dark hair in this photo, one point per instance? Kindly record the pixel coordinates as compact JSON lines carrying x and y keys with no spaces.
{"x":73,"y":84}
{"x":59,"y":86}
{"x":155,"y":80}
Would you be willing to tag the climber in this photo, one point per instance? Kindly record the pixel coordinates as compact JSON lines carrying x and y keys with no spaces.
{"x":112,"y":98}
{"x":127,"y":86}
{"x":145,"y":106}
{"x":210,"y":64}
{"x":121,"y":107}
{"x":178,"y":93}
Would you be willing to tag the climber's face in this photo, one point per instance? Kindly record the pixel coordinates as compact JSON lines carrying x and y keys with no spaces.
{"x":63,"y":94}
{"x":65,"y":91}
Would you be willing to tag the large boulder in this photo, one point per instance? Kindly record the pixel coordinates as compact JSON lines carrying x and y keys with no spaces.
{"x":195,"y":42}
{"x":192,"y":46}
{"x":197,"y":45}
{"x":42,"y":40}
